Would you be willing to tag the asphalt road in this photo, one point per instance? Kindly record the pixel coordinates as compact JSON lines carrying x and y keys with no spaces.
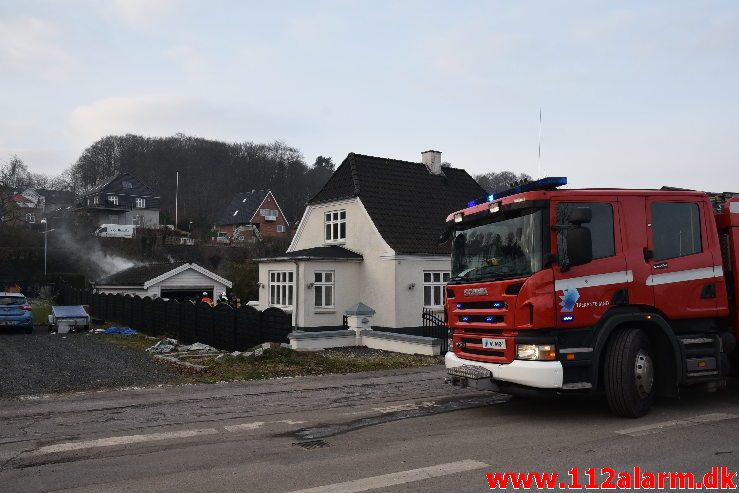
{"x":42,"y":363}
{"x":400,"y":430}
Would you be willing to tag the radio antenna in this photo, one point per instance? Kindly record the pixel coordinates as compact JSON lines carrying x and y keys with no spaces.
{"x":539,"y":161}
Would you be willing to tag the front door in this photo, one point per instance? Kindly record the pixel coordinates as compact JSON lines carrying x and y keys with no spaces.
{"x":585,"y":292}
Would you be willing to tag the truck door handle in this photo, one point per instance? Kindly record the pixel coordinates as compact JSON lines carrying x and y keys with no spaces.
{"x":708,"y":292}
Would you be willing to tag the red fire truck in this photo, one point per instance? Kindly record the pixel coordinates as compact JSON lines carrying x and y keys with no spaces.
{"x":630,"y":293}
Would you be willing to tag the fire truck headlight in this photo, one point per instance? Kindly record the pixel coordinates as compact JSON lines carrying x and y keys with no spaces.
{"x":536,"y":352}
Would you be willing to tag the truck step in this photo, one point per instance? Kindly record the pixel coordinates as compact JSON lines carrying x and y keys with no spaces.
{"x":695,"y":340}
{"x":577,"y":386}
{"x":702,"y":354}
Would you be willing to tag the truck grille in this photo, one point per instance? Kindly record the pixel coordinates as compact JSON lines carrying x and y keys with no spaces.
{"x":469,"y":345}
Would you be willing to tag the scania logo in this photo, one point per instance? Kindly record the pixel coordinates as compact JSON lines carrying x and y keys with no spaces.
{"x":476,"y":292}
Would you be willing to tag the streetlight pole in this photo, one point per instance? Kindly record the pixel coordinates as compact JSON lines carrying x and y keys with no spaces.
{"x":46,"y":235}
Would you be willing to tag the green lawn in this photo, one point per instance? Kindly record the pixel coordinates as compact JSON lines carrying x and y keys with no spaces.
{"x":41,"y":310}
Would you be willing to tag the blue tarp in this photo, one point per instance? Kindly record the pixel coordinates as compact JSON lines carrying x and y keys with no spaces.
{"x":68,"y":311}
{"x":119,"y":330}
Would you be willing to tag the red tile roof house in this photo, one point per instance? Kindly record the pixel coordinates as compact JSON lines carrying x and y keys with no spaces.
{"x":253,"y":216}
{"x":370,"y":235}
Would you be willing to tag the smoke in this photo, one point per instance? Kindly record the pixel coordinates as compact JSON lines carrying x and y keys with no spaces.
{"x":86,"y":255}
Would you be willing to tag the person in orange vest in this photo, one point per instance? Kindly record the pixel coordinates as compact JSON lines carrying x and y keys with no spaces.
{"x":206,"y":298}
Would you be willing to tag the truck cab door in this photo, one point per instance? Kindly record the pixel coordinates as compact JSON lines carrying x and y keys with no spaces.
{"x":682,"y":266}
{"x":583,"y":293}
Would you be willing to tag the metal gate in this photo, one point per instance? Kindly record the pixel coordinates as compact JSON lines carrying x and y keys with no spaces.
{"x":434,"y":326}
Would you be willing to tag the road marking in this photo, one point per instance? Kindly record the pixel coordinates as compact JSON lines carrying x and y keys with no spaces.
{"x":258,"y":424}
{"x":124,"y":440}
{"x":676,"y":423}
{"x":396,"y":478}
{"x":245,"y":426}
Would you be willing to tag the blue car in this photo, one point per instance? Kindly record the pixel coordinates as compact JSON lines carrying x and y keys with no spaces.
{"x":15,"y":312}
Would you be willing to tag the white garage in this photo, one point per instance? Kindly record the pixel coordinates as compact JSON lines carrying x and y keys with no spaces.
{"x":180,"y":280}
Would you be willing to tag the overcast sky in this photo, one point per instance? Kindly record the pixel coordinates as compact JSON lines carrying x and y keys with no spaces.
{"x":633,"y":94}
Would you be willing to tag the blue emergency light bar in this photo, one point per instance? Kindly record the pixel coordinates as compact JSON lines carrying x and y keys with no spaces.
{"x":548,"y":183}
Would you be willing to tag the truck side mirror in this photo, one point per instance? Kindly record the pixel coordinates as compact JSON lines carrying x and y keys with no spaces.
{"x":444,"y":236}
{"x":579,"y":245}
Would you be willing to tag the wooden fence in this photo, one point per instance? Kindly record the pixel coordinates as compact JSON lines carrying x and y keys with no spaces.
{"x":222,"y":326}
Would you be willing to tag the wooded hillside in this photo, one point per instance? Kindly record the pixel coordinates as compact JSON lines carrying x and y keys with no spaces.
{"x":210,"y":172}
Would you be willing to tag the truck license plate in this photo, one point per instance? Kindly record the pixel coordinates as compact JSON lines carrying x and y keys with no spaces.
{"x":493,"y":343}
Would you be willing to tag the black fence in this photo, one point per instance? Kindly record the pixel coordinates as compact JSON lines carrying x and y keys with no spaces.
{"x":434,"y":326}
{"x":222,"y":326}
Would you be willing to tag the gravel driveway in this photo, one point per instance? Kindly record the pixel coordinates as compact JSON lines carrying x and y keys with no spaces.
{"x":42,"y":363}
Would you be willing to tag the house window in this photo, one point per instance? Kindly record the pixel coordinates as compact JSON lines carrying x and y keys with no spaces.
{"x":31,"y":218}
{"x":336,"y":226}
{"x":433,"y":288}
{"x":140,"y":203}
{"x":127,"y":184}
{"x":95,"y":200}
{"x":113,"y":199}
{"x":280,"y":228}
{"x":323,"y":289}
{"x":280,"y":288}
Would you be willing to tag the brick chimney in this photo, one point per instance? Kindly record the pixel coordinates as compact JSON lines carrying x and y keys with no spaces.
{"x":432,"y":160}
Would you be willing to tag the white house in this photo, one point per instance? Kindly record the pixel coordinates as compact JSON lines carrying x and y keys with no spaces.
{"x":179,"y":280}
{"x":370,"y":235}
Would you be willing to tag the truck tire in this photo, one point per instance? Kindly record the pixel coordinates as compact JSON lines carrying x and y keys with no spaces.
{"x":629,"y":373}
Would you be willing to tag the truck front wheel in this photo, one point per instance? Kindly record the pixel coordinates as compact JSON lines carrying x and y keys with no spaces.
{"x":629,"y":373}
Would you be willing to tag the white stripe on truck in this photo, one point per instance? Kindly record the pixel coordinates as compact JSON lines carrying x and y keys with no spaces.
{"x":596,"y":280}
{"x":685,"y":275}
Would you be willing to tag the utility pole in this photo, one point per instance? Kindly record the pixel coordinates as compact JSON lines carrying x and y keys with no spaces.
{"x":176,"y":193}
{"x":46,"y":235}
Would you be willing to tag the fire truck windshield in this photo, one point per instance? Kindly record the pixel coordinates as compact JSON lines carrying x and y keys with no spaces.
{"x":509,"y":246}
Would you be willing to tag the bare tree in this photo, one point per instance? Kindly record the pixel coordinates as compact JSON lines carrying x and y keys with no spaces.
{"x":14,"y":177}
{"x":499,"y":181}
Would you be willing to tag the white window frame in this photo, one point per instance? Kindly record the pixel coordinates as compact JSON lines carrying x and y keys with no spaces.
{"x":140,"y":203}
{"x":322,"y":285}
{"x":281,"y":228}
{"x":281,"y":289}
{"x":31,"y":218}
{"x":332,"y":229}
{"x":113,"y":199}
{"x":95,"y":200}
{"x":434,"y":282}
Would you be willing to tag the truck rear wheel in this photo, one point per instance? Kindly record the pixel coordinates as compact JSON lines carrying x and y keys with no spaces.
{"x":629,"y":373}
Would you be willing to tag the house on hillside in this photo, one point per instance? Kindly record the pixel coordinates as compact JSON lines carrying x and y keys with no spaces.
{"x":370,"y":235}
{"x":53,"y":201}
{"x":180,"y":280}
{"x":21,"y":210}
{"x":122,"y":199}
{"x":252,"y":216}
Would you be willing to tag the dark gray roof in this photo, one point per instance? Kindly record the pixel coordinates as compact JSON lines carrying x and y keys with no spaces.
{"x":332,"y":252}
{"x":59,"y":197}
{"x":242,"y":207}
{"x":407,"y":203}
{"x":115,"y":184}
{"x":139,"y":275}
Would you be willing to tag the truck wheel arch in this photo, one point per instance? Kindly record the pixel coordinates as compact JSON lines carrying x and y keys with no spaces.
{"x":665,"y":345}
